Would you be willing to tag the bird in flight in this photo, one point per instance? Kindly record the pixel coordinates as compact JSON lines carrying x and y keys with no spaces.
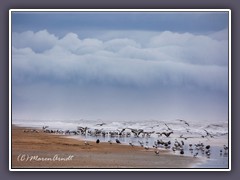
{"x":185,"y":122}
{"x":168,"y":127}
{"x":101,"y":124}
{"x":208,"y":134}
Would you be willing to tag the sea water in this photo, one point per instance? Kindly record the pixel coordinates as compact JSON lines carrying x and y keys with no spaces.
{"x":194,"y":133}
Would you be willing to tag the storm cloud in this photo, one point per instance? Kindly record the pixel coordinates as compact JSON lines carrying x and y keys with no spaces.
{"x":167,"y":59}
{"x":135,"y":74}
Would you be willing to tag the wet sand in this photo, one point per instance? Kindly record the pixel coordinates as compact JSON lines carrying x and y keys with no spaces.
{"x":42,"y":150}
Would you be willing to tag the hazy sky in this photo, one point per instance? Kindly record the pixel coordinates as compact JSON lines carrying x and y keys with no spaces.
{"x":120,"y":65}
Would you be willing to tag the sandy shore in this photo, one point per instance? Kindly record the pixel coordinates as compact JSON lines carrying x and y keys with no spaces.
{"x":41,"y":150}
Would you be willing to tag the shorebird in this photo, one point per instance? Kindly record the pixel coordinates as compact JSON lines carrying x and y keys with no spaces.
{"x":177,"y":144}
{"x":167,"y":134}
{"x":117,"y":141}
{"x":82,"y":129}
{"x":184,"y":137}
{"x":208,"y":153}
{"x":157,"y":152}
{"x":141,"y":143}
{"x":168,"y":127}
{"x":220,"y":152}
{"x":195,"y":155}
{"x":207,"y":147}
{"x":136,"y":132}
{"x":45,"y":127}
{"x":121,"y":131}
{"x":101,"y":124}
{"x":182,"y":142}
{"x":185,"y":122}
{"x":174,"y":149}
{"x":190,"y":148}
{"x":131,"y":144}
{"x":146,"y":147}
{"x":208,"y":134}
{"x":225,"y":148}
{"x":97,"y":141}
{"x":181,"y":151}
{"x":110,"y":142}
{"x":86,"y":143}
{"x":188,"y":130}
{"x":154,"y":126}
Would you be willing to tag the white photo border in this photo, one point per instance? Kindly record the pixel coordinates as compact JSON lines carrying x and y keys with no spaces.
{"x":119,"y":10}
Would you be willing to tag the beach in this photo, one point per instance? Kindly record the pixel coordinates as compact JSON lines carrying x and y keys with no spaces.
{"x":36,"y":149}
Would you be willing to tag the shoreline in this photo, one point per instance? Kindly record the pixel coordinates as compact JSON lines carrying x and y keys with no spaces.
{"x":38,"y":150}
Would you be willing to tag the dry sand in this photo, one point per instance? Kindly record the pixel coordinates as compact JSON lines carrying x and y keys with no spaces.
{"x":42,"y":150}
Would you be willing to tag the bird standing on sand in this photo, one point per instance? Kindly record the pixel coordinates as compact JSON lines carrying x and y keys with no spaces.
{"x":157,"y":152}
{"x":97,"y":141}
{"x":117,"y":141}
{"x":146,"y":147}
{"x":181,"y":152}
{"x":131,"y":144}
{"x":86,"y":143}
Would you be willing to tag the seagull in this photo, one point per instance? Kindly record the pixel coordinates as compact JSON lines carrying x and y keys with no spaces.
{"x":86,"y":143}
{"x":188,"y":130}
{"x":141,"y":143}
{"x":185,"y":122}
{"x":146,"y":147}
{"x":225,"y":148}
{"x":195,"y":155}
{"x":181,"y":136}
{"x":157,"y":152}
{"x":181,"y":151}
{"x":167,"y":134}
{"x":117,"y":141}
{"x":154,"y":126}
{"x":207,"y":147}
{"x":182,"y":142}
{"x":173,"y":149}
{"x":121,"y":131}
{"x":137,"y":132}
{"x":208,"y":134}
{"x":101,"y":124}
{"x":208,"y":153}
{"x":45,"y":127}
{"x":131,"y":144}
{"x":168,"y":127}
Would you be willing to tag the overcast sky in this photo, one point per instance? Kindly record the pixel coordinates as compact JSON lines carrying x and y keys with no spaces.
{"x":120,"y":65}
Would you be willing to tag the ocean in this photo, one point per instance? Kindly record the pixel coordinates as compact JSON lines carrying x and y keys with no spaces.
{"x":214,"y":134}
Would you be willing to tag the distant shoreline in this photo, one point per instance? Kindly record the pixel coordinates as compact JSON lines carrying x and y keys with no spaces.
{"x":42,"y":150}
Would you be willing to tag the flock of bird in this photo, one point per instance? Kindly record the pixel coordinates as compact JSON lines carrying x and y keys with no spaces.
{"x":178,"y":145}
